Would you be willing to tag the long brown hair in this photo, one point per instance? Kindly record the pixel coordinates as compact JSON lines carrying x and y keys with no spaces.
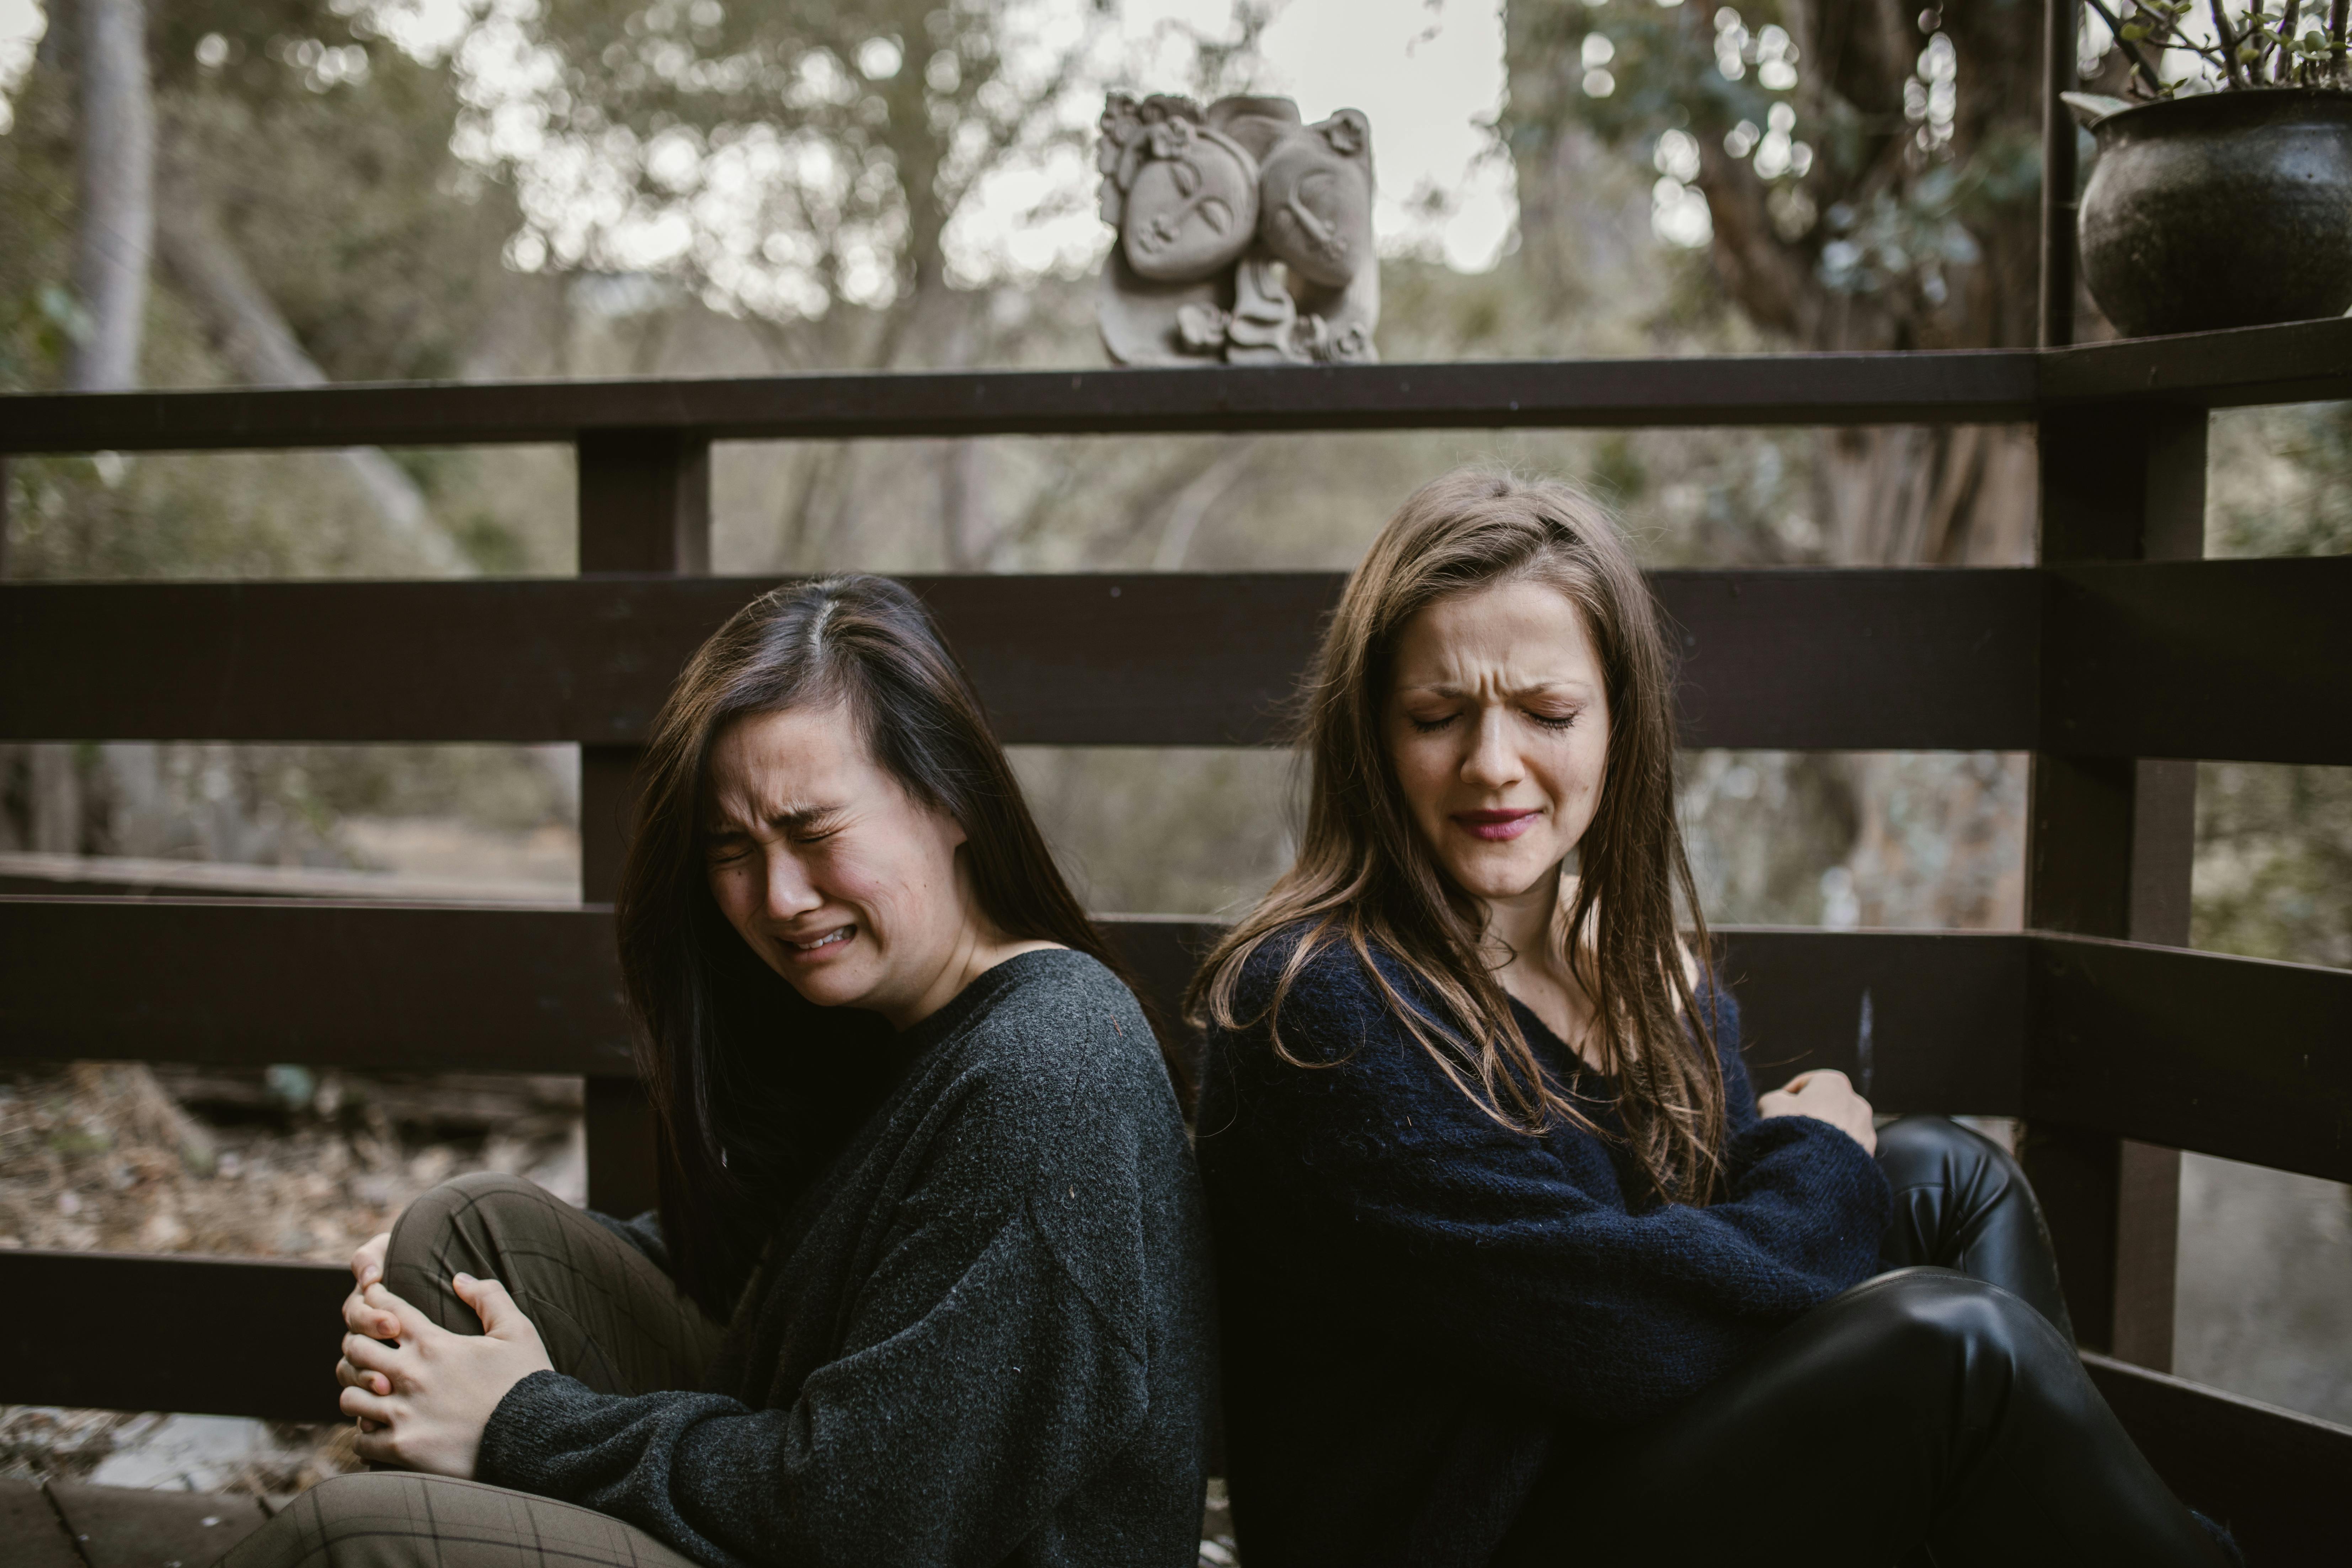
{"x":1364,"y":876}
{"x":755,"y":1089}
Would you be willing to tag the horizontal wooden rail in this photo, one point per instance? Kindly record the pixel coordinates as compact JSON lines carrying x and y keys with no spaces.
{"x":2271,"y":1475}
{"x":2226,"y":659}
{"x":2303,"y":362}
{"x":268,"y":1331}
{"x":2296,"y":362}
{"x":245,"y":1337}
{"x":2238,"y":1058}
{"x":250,"y":981}
{"x":1975,"y":386}
{"x":2236,"y":660}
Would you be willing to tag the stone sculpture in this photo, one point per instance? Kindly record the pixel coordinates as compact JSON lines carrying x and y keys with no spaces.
{"x":1244,"y":234}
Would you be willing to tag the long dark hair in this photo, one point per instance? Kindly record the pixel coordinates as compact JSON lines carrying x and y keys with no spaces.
{"x":755,"y":1089}
{"x":1364,"y":876}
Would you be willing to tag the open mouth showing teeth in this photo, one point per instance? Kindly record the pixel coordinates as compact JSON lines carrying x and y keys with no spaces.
{"x":826,"y":941}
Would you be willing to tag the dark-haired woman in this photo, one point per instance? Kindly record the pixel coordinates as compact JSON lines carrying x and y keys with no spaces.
{"x":930,"y":1280}
{"x":1516,"y":1266}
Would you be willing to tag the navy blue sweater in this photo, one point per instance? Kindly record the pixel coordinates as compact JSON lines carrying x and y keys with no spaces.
{"x":1420,"y":1302}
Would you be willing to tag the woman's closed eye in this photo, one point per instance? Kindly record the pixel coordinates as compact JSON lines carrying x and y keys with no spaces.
{"x":1431,"y":723}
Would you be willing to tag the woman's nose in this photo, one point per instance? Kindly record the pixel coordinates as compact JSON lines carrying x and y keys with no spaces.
{"x":790,"y":892}
{"x":1493,"y":761}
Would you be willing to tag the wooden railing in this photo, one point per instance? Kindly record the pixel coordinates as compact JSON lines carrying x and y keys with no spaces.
{"x":2117,"y":661}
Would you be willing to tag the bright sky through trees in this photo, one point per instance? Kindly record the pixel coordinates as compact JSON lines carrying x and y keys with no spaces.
{"x":1428,"y":72}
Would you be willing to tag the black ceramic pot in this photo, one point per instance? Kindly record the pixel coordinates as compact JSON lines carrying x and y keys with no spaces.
{"x":2228,"y":209}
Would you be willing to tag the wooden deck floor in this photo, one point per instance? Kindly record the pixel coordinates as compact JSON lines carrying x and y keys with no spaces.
{"x":73,"y":1524}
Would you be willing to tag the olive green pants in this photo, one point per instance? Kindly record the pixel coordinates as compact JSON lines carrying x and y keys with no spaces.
{"x":607,"y":1316}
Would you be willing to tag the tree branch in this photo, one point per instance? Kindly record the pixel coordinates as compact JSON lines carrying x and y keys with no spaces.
{"x":247,"y":329}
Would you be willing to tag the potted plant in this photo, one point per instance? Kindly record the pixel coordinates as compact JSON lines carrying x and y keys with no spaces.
{"x":2223,"y":197}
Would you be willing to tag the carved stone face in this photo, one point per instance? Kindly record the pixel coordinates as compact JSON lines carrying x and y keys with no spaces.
{"x":1193,"y":205}
{"x":1316,"y":189}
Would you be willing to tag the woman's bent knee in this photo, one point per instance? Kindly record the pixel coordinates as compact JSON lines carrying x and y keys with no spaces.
{"x":471,"y":1205}
{"x":1933,"y":1148}
{"x":1936,"y":1323}
{"x":393,"y":1518}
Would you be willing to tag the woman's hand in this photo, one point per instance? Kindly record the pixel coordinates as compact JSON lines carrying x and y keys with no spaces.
{"x":1825,"y":1096}
{"x":423,"y":1403}
{"x":367,"y":1268}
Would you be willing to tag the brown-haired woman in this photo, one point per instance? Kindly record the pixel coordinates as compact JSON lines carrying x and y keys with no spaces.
{"x":1517,"y":1268}
{"x":929,"y":1281}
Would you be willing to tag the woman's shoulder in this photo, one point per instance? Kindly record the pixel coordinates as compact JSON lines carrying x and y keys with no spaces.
{"x":1055,"y":1022}
{"x":1313,"y":967}
{"x":1325,"y":1002}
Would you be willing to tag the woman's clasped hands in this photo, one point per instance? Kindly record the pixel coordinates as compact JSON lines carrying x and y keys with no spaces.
{"x":1826,"y":1095}
{"x":422,"y":1395}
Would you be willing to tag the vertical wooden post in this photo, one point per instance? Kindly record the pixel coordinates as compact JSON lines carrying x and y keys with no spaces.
{"x":2060,"y":22}
{"x":645,"y":505}
{"x":2108,"y":846}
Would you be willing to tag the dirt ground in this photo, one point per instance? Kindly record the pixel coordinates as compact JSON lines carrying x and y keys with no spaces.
{"x":275,"y":1163}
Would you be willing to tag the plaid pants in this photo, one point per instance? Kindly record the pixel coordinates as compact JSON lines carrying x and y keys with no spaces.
{"x":607,"y":1316}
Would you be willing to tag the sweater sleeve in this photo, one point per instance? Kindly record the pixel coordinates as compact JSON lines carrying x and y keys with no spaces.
{"x":1533,"y":1276}
{"x":993,"y":1357}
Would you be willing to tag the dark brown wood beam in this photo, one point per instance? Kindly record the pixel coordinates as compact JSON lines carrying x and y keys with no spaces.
{"x":1968,"y":385}
{"x":2227,"y":659}
{"x":2271,"y":1475}
{"x":2108,"y":839}
{"x":645,"y":509}
{"x":268,"y":1332}
{"x":2303,"y":362}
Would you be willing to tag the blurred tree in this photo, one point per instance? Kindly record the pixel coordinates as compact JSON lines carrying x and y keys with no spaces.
{"x":1858,"y":178}
{"x":784,"y":160}
{"x":798,"y":165}
{"x":116,"y":221}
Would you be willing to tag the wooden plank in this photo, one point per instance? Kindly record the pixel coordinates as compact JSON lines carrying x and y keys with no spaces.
{"x":1854,"y":659}
{"x":2236,"y":660}
{"x":1919,"y":1020}
{"x":2236,"y":1057}
{"x":2271,"y":1475}
{"x":2297,"y":362}
{"x":1172,"y":660}
{"x":1799,"y":660}
{"x":260,"y":1337}
{"x":2229,"y":660}
{"x":643,"y":507}
{"x":2108,"y":844}
{"x":1964,"y":385}
{"x":248,"y":983}
{"x":126,"y":1527}
{"x":2059,"y":186}
{"x":37,"y":1537}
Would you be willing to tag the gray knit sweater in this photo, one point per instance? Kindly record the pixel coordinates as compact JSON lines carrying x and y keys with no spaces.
{"x":985,"y":1336}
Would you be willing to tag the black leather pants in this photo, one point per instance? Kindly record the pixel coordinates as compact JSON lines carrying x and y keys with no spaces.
{"x":1935,"y":1414}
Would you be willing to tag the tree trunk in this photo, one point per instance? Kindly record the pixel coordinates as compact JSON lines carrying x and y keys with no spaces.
{"x":247,"y":329}
{"x":112,"y":242}
{"x":118,"y":195}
